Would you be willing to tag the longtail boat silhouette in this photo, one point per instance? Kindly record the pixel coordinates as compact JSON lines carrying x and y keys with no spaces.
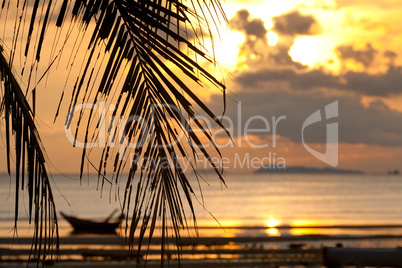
{"x":107,"y":226}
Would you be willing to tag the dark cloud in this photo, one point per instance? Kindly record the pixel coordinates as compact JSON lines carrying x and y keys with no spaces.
{"x":294,"y":23}
{"x":256,"y":41}
{"x":257,"y":79}
{"x":297,"y":81}
{"x":386,"y":84}
{"x":390,"y":54}
{"x":364,"y":56}
{"x":250,"y":26}
{"x":381,"y":85}
{"x":375,"y":125}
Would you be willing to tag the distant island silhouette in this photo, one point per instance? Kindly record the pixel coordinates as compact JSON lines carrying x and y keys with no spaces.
{"x":307,"y":170}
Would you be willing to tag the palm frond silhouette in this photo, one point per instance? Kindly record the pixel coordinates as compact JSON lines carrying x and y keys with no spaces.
{"x":142,"y":56}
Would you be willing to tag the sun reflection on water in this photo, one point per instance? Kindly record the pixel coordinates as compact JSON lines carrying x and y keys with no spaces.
{"x":273,"y":232}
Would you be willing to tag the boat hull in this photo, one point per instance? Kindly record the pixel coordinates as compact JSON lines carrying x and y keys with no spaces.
{"x":89,"y":226}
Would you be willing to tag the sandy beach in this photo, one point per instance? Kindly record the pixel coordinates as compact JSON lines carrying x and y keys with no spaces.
{"x":204,"y":251}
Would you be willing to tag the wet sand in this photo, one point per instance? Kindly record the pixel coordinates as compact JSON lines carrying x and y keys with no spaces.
{"x":240,"y":251}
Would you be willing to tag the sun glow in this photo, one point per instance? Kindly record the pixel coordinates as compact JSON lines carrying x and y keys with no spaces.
{"x":227,"y":49}
{"x":315,"y":50}
{"x":272,"y":222}
{"x":272,"y":38}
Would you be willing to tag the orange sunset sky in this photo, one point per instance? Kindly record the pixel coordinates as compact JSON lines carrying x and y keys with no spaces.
{"x":290,"y":59}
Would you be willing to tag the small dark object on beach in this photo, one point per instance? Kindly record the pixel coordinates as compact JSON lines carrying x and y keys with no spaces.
{"x":108,"y":226}
{"x":297,"y":246}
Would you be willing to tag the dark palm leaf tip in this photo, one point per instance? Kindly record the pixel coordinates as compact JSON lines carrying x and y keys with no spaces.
{"x":29,"y":164}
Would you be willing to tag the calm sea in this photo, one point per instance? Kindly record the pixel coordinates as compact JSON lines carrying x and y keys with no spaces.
{"x":250,"y":202}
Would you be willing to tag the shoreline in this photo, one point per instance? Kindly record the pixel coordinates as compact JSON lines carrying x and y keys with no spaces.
{"x":84,"y":239}
{"x":239,"y":251}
